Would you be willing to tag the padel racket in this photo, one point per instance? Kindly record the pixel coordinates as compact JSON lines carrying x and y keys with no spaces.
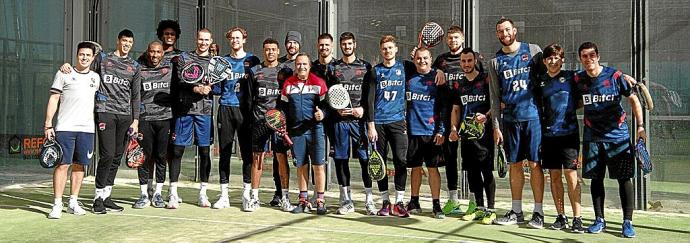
{"x":135,"y":153}
{"x":219,"y":69}
{"x":431,"y":35}
{"x":501,"y":162}
{"x":643,"y":156}
{"x":275,"y":120}
{"x":338,"y":97}
{"x":645,"y":97}
{"x":51,"y":154}
{"x":377,"y":167}
{"x":471,"y":129}
{"x":192,"y":73}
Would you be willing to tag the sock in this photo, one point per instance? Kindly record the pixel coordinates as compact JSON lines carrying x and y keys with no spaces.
{"x":517,"y":206}
{"x":435,"y":202}
{"x":414,"y":199}
{"x":255,"y":193}
{"x":453,"y":195}
{"x":57,"y":200}
{"x":472,"y":199}
{"x":399,"y":196}
{"x":303,"y":195}
{"x":224,"y":190}
{"x":202,"y":188}
{"x":159,"y":188}
{"x":538,"y":208}
{"x":285,"y":193}
{"x":108,"y":190}
{"x":343,"y":192}
{"x":173,"y":188}
{"x":99,"y":193}
{"x":73,"y":200}
{"x":385,"y":196}
{"x":144,"y":189}
{"x":369,"y":196}
{"x":246,"y":190}
{"x":319,"y":196}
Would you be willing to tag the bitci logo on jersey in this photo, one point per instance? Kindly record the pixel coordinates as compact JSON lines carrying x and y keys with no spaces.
{"x":589,"y":99}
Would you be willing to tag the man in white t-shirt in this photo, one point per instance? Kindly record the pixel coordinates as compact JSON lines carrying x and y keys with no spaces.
{"x":74,"y":92}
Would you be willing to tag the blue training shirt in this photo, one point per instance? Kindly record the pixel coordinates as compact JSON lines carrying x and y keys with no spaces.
{"x":231,"y":90}
{"x":515,"y":83}
{"x":389,"y":101}
{"x":423,"y":112}
{"x":557,"y":99}
{"x":604,"y":115}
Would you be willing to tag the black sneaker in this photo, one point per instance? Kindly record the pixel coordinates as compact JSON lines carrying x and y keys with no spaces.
{"x":561,"y":223}
{"x":537,"y":221}
{"x":413,"y":207}
{"x":321,"y":207}
{"x":275,"y":202}
{"x":577,"y":226}
{"x":98,"y":207}
{"x":110,"y":205}
{"x":511,"y":218}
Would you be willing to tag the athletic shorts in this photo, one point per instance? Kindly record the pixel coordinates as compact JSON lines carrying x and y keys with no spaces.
{"x":560,"y":152}
{"x":423,"y":150}
{"x":309,"y":146}
{"x":617,"y":156}
{"x":193,"y":129}
{"x":346,"y":133}
{"x":522,"y":140}
{"x":77,"y":147}
{"x":478,"y":154}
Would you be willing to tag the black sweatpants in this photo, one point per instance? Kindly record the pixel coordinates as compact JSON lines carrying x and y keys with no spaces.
{"x":112,"y":138}
{"x":231,"y":120}
{"x":156,"y":137}
{"x":394,"y":134}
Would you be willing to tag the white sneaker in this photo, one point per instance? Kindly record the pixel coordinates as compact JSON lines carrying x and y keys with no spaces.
{"x":285,"y":205}
{"x":223,"y":202}
{"x":75,"y":209}
{"x":203,"y":201}
{"x":371,"y":208}
{"x":173,"y":202}
{"x":347,"y":207}
{"x":252,"y":205}
{"x":56,"y":212}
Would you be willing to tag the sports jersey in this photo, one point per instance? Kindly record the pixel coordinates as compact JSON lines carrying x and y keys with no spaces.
{"x":604,"y":115}
{"x":352,"y":77}
{"x":156,"y":100}
{"x":265,"y":89}
{"x":231,"y":90}
{"x":423,"y":112}
{"x":76,"y":100}
{"x":301,"y":98}
{"x":385,"y":92}
{"x":473,"y":95}
{"x":450,"y":65}
{"x":510,"y":72}
{"x":323,"y":71}
{"x":119,"y":90}
{"x":190,"y":103}
{"x":555,"y":94}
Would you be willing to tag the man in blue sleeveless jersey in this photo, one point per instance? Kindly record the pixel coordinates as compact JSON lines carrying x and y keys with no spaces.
{"x":554,"y":94}
{"x":512,"y":99}
{"x":606,"y":140}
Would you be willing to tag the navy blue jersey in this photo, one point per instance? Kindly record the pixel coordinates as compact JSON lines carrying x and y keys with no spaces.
{"x":231,"y":90}
{"x":265,"y":89}
{"x":515,"y":83}
{"x":423,"y":110}
{"x":557,"y":103}
{"x":386,"y":90}
{"x":473,"y":96}
{"x":604,"y":115}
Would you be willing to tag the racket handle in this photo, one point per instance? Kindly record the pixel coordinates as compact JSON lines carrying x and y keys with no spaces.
{"x":287,"y":139}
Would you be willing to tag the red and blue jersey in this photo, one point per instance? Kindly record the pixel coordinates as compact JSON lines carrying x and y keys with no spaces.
{"x":233,"y":89}
{"x":423,"y":105}
{"x":557,"y":103}
{"x":473,"y":95}
{"x":604,"y":115}
{"x":513,"y":72}
{"x":386,"y":90}
{"x":301,"y":98}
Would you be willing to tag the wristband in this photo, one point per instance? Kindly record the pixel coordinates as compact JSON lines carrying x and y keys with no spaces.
{"x":640,"y":125}
{"x":47,"y":128}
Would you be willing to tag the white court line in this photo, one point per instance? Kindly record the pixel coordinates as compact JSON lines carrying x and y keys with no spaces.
{"x":290,"y":227}
{"x":256,"y":225}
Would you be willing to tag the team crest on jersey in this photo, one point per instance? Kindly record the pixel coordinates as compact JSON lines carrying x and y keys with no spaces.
{"x":260,"y":76}
{"x":525,"y":57}
{"x":359,"y":72}
{"x":108,"y":63}
{"x":130,"y":69}
{"x":561,"y":79}
{"x":607,"y":83}
{"x":165,"y":70}
{"x":101,"y":126}
{"x":398,"y":72}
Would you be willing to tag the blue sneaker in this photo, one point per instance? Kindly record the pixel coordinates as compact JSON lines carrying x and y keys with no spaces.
{"x":628,"y":230}
{"x":598,"y":226}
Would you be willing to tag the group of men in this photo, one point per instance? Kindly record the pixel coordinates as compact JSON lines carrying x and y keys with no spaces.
{"x":422,"y":110}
